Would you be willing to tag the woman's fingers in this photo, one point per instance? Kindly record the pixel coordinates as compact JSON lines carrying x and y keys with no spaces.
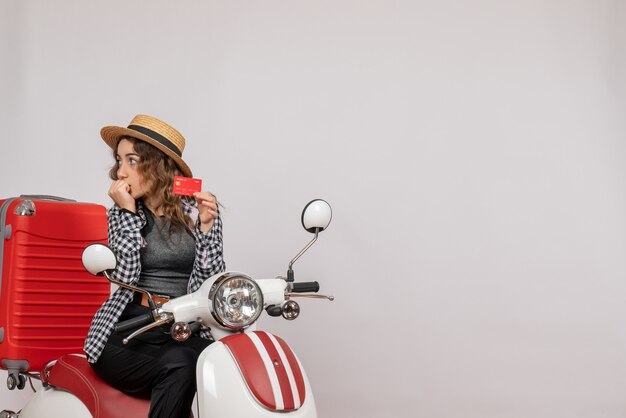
{"x":206,"y":199}
{"x":207,"y":205}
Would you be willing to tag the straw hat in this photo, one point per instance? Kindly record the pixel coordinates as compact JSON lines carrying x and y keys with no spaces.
{"x":153,"y":131}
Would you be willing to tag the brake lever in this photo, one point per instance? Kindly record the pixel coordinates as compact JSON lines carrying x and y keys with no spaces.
{"x":146,"y":328}
{"x":306,"y":295}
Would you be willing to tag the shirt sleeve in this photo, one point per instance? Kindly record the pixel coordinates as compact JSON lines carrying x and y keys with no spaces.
{"x":209,"y":254}
{"x":125,"y":240}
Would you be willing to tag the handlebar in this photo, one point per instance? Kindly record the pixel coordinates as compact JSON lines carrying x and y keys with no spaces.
{"x":304,"y":287}
{"x":151,"y":319}
{"x":134,"y":323}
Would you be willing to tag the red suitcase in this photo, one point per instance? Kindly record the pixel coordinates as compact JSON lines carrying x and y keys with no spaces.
{"x":47,"y":298}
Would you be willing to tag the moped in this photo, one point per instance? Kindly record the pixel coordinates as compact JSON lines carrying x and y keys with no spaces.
{"x":245,"y":373}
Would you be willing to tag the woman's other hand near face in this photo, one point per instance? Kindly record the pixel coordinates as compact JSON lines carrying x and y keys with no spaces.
{"x":120,"y":193}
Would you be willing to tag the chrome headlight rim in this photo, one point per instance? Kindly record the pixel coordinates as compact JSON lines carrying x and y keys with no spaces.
{"x":216,"y":287}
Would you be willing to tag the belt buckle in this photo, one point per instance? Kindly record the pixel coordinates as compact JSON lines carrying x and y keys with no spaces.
{"x":158,"y":300}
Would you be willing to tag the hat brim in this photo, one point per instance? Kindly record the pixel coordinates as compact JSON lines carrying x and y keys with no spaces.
{"x":112,"y":134}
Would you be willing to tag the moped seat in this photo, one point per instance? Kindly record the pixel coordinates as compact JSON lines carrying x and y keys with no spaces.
{"x":73,"y":374}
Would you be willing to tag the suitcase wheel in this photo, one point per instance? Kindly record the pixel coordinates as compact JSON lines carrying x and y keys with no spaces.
{"x":14,"y":381}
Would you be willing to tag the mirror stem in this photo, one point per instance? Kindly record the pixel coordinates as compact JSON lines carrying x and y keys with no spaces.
{"x":290,"y":277}
{"x":129,"y":287}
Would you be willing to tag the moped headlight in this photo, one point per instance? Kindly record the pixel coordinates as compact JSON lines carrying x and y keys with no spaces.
{"x":237,"y":302}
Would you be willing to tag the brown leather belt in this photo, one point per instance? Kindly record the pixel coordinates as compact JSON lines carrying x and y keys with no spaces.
{"x":159,"y":300}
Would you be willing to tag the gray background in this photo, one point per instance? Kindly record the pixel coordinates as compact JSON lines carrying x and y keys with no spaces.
{"x":473,"y":153}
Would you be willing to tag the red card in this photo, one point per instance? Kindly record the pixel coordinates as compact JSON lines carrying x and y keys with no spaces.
{"x":186,"y":186}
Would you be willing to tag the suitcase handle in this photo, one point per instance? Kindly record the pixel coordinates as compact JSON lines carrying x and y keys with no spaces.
{"x":46,"y":197}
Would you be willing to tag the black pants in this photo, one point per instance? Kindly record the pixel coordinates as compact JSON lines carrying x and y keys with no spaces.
{"x":153,"y":366}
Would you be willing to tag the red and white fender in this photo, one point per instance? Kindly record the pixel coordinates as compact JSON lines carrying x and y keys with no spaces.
{"x":258,"y":375}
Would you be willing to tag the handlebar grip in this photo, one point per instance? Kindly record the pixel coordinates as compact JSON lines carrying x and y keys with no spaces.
{"x":195,"y":327}
{"x":304,"y":287}
{"x":134,"y":323}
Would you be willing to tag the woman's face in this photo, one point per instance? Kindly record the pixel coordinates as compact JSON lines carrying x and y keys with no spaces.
{"x":127,"y":163}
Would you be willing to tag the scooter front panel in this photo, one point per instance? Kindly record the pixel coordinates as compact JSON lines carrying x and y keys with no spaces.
{"x":274,"y":380}
{"x":225,"y":391}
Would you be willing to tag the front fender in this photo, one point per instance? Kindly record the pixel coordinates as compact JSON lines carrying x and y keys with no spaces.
{"x":253,"y":375}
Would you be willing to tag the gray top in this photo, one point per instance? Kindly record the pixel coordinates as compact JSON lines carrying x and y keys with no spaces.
{"x":166,"y":259}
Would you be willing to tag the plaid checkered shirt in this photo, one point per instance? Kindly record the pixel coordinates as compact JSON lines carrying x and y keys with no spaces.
{"x":125,"y":240}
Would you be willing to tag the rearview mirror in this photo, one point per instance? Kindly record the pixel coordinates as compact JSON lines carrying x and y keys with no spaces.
{"x":98,"y":258}
{"x":316,"y":216}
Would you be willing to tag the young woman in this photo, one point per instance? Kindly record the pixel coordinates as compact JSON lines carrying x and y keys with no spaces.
{"x":165,"y":243}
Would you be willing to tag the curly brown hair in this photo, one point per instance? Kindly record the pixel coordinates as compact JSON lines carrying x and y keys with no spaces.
{"x":158,"y":171}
